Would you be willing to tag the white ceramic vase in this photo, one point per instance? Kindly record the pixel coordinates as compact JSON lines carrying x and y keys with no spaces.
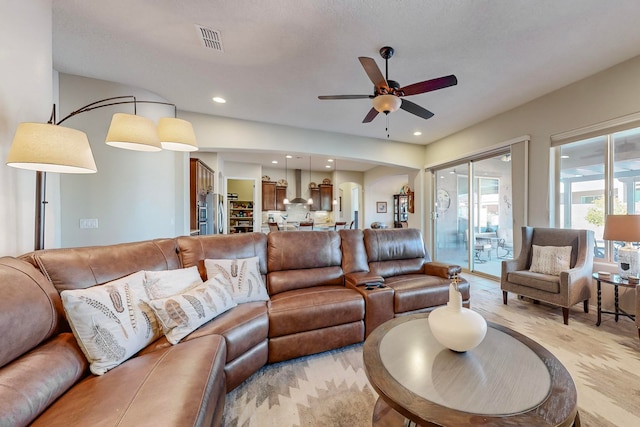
{"x":456,"y":327}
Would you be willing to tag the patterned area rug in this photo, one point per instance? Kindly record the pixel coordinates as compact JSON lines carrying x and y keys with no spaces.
{"x":331,"y":388}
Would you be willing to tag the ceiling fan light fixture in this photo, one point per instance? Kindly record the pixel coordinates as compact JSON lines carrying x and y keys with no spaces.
{"x":386,"y":103}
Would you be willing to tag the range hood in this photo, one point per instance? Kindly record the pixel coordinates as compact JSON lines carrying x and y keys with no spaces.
{"x":298,"y":200}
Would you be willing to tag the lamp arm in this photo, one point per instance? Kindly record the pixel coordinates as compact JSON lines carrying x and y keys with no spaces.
{"x":105,"y":103}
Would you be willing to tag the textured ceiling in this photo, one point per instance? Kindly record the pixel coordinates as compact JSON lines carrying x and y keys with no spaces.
{"x":279,"y":55}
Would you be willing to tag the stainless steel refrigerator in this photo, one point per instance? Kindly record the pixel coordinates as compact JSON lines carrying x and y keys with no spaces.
{"x":217,"y":217}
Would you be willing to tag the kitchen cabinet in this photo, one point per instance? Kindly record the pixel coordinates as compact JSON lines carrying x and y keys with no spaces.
{"x":400,"y":210}
{"x":273,"y":196}
{"x":322,"y":197}
{"x":268,"y":196}
{"x":201,"y":179}
{"x":240,"y":216}
{"x":281,"y":194}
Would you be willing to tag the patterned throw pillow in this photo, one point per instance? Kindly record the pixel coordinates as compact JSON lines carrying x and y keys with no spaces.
{"x":111,"y":322}
{"x":550,"y":259}
{"x":241,"y":277}
{"x":183,"y":313}
{"x":162,"y":284}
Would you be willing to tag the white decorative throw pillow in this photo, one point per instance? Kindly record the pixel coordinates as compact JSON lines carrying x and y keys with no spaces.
{"x":162,"y":284}
{"x":241,"y":277}
{"x":184,"y":313}
{"x":550,"y":259}
{"x":111,"y":322}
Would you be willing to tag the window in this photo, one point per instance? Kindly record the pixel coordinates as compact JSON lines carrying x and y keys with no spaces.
{"x":599,"y":176}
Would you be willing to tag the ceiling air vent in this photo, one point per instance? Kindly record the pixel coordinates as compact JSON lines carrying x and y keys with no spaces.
{"x":209,"y":38}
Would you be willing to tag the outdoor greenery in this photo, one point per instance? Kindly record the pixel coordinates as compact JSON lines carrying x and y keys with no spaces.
{"x":595,"y":214}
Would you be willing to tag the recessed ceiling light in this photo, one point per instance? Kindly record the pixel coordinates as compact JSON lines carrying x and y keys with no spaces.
{"x":564,"y":157}
{"x":289,"y":156}
{"x":328,"y":166}
{"x":417,"y":133}
{"x":275,"y":162}
{"x":329,"y":160}
{"x":219,"y":100}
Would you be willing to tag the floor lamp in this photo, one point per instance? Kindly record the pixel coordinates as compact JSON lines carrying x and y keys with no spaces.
{"x":49,"y":147}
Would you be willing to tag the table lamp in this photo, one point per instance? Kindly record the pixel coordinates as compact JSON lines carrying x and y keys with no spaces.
{"x":625,"y":228}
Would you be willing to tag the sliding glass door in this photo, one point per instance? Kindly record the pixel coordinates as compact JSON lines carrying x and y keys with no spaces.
{"x":473,"y":218}
{"x":452,"y":215}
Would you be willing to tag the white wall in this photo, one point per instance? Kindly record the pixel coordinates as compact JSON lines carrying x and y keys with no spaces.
{"x":381,"y":184}
{"x":135,"y":195}
{"x":26,"y":95}
{"x":217,"y":133}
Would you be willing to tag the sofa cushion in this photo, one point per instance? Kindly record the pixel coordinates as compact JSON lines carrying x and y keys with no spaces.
{"x":543,"y":282}
{"x":163,"y":284}
{"x":183,"y":313}
{"x":177,"y":385}
{"x":240,"y":277}
{"x":420,"y":291}
{"x":550,"y":259}
{"x":111,"y":322}
{"x":78,"y":268}
{"x":308,"y":309}
{"x":193,"y":250}
{"x":354,"y":254}
{"x":303,"y":250}
{"x":243,"y":327}
{"x":395,"y":251}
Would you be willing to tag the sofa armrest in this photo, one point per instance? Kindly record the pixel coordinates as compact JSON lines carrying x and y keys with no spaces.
{"x":361,"y":278}
{"x":446,"y":271}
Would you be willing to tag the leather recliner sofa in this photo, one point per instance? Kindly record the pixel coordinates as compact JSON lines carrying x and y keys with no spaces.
{"x":318,"y":301}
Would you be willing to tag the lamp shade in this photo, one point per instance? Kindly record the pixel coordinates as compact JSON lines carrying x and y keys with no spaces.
{"x":176,"y":134}
{"x":51,"y":148}
{"x":622,"y":228}
{"x":386,"y":103}
{"x":133,"y":132}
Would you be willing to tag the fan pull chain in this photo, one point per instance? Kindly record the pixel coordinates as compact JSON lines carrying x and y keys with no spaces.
{"x":387,"y":128}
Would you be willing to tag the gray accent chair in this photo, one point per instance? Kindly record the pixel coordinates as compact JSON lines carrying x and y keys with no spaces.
{"x":565,"y":290}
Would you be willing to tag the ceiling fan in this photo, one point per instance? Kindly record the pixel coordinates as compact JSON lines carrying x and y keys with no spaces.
{"x":387,"y":94}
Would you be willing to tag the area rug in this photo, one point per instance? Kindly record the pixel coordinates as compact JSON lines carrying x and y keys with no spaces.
{"x":331,"y":388}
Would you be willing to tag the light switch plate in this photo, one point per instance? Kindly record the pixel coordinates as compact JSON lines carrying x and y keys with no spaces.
{"x":88,"y":222}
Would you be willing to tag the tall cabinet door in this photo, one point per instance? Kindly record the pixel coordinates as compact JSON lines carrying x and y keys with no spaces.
{"x":268,"y":196}
{"x":281,"y":194}
{"x":326,"y":197}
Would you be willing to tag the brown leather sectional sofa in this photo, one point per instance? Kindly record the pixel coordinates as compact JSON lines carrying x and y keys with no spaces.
{"x":324,"y":294}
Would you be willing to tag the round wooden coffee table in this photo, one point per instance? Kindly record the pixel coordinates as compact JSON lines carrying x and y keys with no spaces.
{"x":508,"y":379}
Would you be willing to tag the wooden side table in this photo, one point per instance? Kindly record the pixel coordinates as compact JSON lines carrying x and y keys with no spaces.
{"x":616,"y":281}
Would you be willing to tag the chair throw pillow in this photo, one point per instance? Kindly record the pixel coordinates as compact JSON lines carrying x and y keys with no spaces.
{"x":183,"y":313}
{"x":111,"y":322}
{"x":162,"y":284}
{"x":241,"y":277}
{"x":550,"y":259}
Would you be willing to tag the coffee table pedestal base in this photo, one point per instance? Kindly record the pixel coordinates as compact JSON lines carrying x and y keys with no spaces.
{"x":385,"y":416}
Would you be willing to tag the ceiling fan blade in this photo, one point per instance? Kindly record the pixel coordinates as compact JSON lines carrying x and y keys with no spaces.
{"x":416,"y":109}
{"x":429,"y":85}
{"x":374,"y":73}
{"x":344,"y":96}
{"x":370,"y":115}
